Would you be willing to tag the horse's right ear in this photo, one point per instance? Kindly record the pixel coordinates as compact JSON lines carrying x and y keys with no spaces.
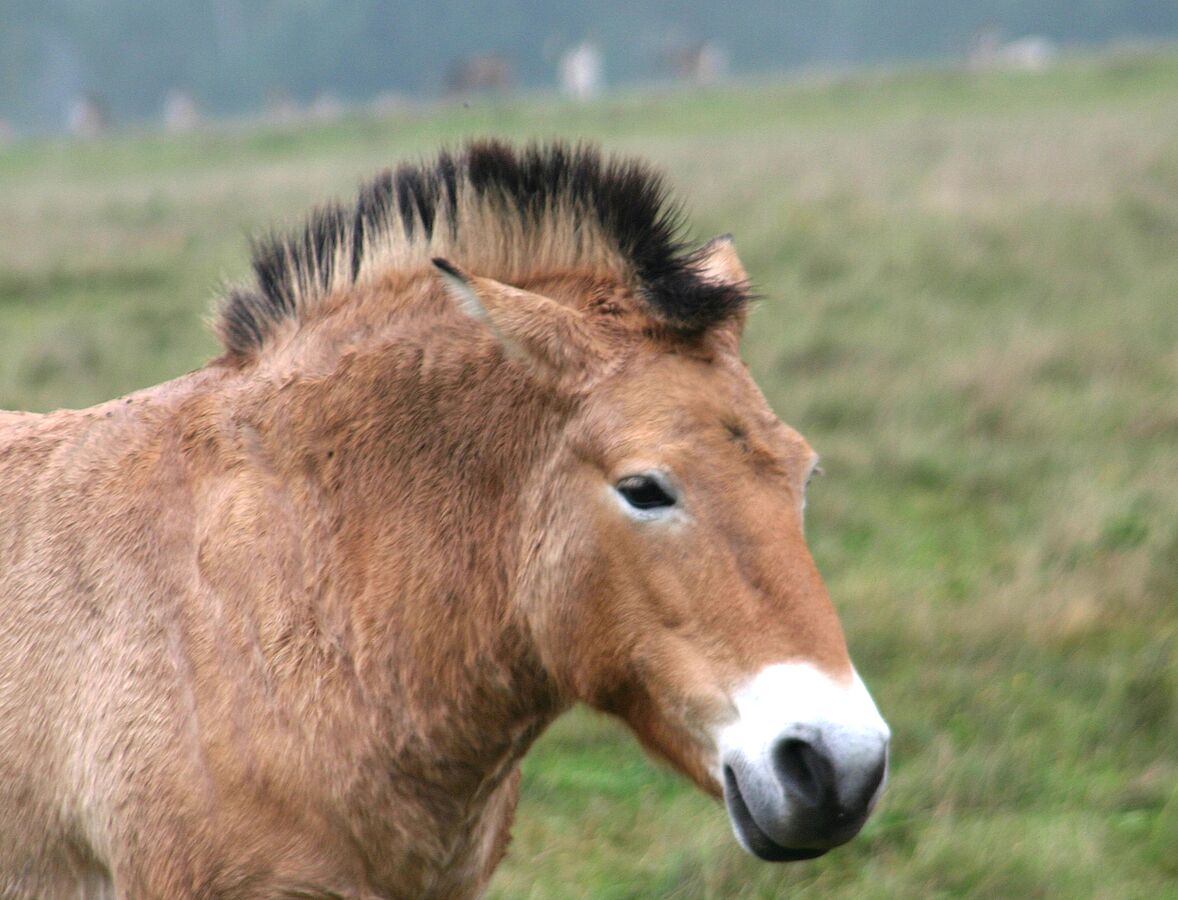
{"x":717,"y":262}
{"x":539,"y":332}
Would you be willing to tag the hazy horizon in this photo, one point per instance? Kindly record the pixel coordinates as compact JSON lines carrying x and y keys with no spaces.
{"x":229,"y":57}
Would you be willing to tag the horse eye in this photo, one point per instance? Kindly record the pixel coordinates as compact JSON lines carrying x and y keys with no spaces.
{"x":643,"y":492}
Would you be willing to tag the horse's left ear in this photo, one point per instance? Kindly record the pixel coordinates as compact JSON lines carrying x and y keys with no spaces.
{"x":549,"y":338}
{"x":717,"y":262}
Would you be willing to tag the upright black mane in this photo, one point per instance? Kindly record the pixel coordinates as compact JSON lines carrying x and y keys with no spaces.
{"x":441,"y":208}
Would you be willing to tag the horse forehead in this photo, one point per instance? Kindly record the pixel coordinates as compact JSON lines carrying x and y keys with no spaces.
{"x":674,"y":387}
{"x":675,"y":411}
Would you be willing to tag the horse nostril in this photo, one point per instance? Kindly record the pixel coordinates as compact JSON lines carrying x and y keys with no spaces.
{"x":805,"y":771}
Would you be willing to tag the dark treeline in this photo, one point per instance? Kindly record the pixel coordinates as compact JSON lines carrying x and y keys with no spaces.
{"x":234,"y":56}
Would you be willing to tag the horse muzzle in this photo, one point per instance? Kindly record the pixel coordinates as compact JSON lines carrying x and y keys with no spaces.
{"x":804,"y":763}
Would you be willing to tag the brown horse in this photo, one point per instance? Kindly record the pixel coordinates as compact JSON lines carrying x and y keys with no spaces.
{"x":286,"y":626}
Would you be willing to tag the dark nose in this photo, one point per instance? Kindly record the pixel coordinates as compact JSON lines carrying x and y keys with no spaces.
{"x":830,"y":802}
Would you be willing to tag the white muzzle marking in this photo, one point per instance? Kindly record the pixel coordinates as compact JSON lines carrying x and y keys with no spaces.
{"x":803,"y":763}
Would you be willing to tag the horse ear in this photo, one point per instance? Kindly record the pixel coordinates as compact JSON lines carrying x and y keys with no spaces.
{"x":717,"y":262}
{"x":532,"y":329}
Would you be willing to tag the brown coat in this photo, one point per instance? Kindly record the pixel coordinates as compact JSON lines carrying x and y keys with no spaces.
{"x":285,"y":626}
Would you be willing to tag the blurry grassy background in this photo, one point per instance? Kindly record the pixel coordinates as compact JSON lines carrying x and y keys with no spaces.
{"x":972,"y":314}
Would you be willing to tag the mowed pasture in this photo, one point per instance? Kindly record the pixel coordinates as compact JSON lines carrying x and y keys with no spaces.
{"x":970,"y":309}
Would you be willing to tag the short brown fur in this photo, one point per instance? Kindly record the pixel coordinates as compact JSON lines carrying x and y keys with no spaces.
{"x":286,"y":626}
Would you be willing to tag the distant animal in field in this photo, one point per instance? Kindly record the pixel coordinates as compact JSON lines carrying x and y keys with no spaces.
{"x":479,"y":447}
{"x":485,"y":72}
{"x":581,"y":71}
{"x":181,"y":112}
{"x":703,"y":63}
{"x":989,"y":50}
{"x":87,"y":116}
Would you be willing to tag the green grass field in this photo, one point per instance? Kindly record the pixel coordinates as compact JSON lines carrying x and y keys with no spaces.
{"x":971,"y":311}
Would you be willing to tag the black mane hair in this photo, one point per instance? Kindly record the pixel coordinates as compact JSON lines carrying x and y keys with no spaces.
{"x":440,"y":210}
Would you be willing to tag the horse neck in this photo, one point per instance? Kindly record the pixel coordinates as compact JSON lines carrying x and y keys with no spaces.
{"x":407,"y":462}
